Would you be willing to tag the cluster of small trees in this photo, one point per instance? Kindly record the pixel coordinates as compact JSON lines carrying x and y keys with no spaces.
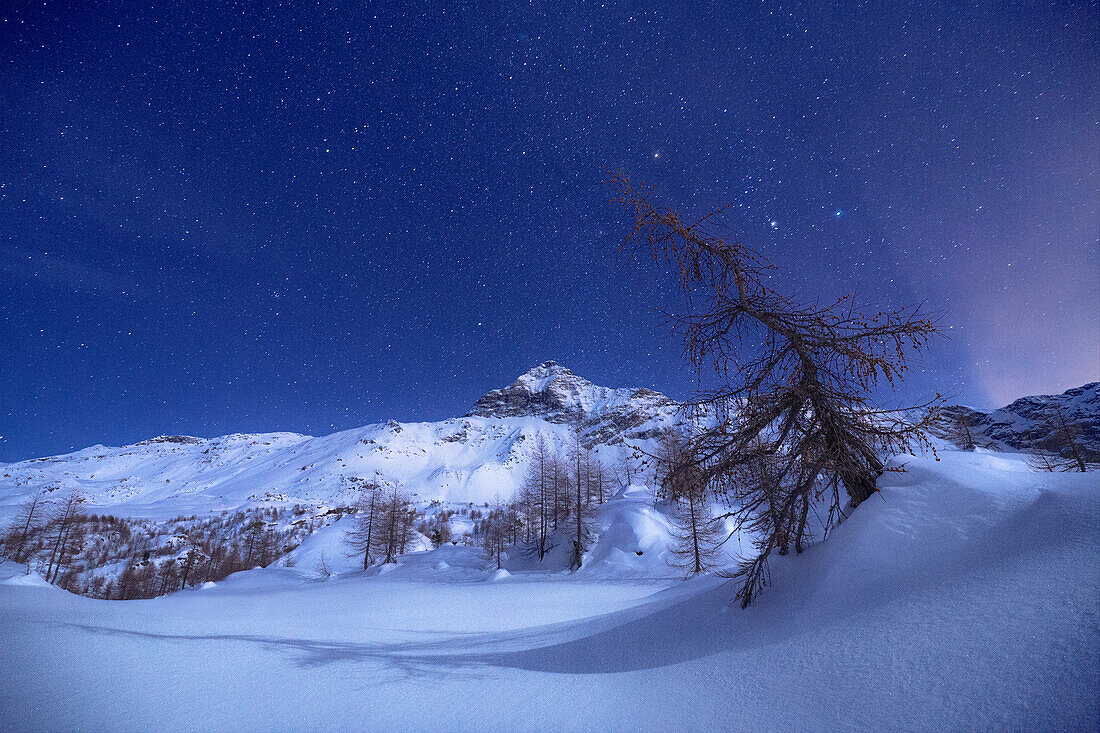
{"x":499,"y":530}
{"x":51,"y":534}
{"x":48,"y":530}
{"x":558,"y":497}
{"x":438,"y":528}
{"x":384,"y":524}
{"x":557,"y":501}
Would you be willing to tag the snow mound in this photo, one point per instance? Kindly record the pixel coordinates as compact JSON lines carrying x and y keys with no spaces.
{"x":28,"y":580}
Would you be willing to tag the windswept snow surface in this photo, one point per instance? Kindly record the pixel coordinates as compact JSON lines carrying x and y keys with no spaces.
{"x":965,"y":596}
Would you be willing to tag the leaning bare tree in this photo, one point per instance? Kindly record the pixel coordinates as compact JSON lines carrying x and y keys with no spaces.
{"x":1061,"y":450}
{"x":64,"y":524}
{"x":798,"y":379}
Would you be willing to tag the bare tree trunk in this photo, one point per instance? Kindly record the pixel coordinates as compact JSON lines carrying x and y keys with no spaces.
{"x":1068,"y":437}
{"x":695,"y":534}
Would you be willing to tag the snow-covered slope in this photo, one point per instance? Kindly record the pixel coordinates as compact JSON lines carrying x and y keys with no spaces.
{"x":966,"y":596}
{"x":473,"y":458}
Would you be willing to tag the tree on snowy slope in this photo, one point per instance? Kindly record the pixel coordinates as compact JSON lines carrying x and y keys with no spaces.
{"x":798,"y":378}
{"x":26,"y":523}
{"x":496,"y":530}
{"x":253,"y":541}
{"x":697,"y":534}
{"x":536,"y":499}
{"x":396,"y":523}
{"x":581,"y":516}
{"x":365,"y":523}
{"x":672,"y":464}
{"x":65,"y":532}
{"x":1062,"y":442}
{"x":596,"y":477}
{"x":958,"y":429}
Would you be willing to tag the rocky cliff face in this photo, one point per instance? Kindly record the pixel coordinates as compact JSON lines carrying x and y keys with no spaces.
{"x":549,"y":391}
{"x":555,"y":394}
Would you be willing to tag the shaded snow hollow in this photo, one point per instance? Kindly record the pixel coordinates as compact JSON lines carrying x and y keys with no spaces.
{"x":965,"y":596}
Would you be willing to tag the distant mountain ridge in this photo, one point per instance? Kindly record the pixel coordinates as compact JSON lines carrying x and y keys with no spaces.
{"x":474,"y":458}
{"x":1022,"y":425}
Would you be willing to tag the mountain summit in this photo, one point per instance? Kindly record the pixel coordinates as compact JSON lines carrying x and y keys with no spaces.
{"x":556,"y":394}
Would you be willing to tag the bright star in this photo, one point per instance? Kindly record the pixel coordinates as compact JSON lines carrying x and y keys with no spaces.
{"x":773,"y":224}
{"x":838,"y":212}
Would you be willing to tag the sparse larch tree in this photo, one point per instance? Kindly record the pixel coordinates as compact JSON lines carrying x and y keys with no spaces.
{"x":396,"y":523}
{"x":26,"y":523}
{"x":1065,"y":452}
{"x":365,"y":525}
{"x":254,"y":540}
{"x":536,"y":498}
{"x":957,"y":428}
{"x":65,"y":532}
{"x":697,"y":534}
{"x":798,"y":379}
{"x":579,"y":509}
{"x":495,"y":531}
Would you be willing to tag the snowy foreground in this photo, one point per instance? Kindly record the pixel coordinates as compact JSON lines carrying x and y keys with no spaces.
{"x":967,"y":596}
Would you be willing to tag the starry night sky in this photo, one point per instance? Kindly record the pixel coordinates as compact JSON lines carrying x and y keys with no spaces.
{"x":312,"y":216}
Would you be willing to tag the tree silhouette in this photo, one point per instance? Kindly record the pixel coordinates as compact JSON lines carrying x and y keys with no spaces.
{"x":798,"y":379}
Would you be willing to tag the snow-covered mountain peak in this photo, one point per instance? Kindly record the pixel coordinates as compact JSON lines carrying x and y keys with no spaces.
{"x":556,"y":394}
{"x":540,"y":377}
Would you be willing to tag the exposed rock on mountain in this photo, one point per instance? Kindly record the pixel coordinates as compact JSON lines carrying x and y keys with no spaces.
{"x":1024,"y":425}
{"x":557,"y":395}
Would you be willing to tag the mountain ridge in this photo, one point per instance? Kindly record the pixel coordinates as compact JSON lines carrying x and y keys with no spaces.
{"x":474,"y":458}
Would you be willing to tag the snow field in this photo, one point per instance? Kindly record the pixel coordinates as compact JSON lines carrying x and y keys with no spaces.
{"x":967,"y":595}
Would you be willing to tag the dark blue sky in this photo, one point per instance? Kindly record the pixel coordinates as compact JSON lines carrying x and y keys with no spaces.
{"x":308,"y":217}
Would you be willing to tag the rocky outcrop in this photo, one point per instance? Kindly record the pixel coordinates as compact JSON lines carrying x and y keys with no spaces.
{"x":1024,"y":424}
{"x":555,"y":394}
